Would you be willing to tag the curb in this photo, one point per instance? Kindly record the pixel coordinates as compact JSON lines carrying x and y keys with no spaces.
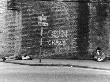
{"x":59,"y":65}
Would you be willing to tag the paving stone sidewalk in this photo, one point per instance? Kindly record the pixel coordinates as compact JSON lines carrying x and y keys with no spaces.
{"x":62,"y":62}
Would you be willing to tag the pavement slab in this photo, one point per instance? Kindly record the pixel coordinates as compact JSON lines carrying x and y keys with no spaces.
{"x":62,"y":62}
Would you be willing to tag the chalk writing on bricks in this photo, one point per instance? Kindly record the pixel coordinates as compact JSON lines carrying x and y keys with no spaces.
{"x":59,"y":33}
{"x":59,"y":37}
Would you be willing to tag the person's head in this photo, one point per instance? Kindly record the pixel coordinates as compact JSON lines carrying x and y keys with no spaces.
{"x":25,"y":55}
{"x":98,"y":49}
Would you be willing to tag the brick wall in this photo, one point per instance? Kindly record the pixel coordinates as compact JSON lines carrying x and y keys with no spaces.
{"x":75,"y":28}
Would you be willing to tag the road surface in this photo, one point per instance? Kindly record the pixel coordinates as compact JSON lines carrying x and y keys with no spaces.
{"x":20,"y":73}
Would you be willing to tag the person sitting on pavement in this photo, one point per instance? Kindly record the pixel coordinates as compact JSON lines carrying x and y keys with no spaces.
{"x":99,"y":56}
{"x":3,"y":58}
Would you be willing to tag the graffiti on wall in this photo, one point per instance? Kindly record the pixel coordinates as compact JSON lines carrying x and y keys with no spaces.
{"x":59,"y":39}
{"x":59,"y":33}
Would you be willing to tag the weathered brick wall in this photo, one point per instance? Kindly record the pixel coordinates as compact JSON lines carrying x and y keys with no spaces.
{"x":10,"y":29}
{"x":59,"y":38}
{"x":99,"y":27}
{"x":83,"y":30}
{"x":3,"y":7}
{"x":75,"y":28}
{"x":64,"y":28}
{"x":31,"y":30}
{"x":13,"y":33}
